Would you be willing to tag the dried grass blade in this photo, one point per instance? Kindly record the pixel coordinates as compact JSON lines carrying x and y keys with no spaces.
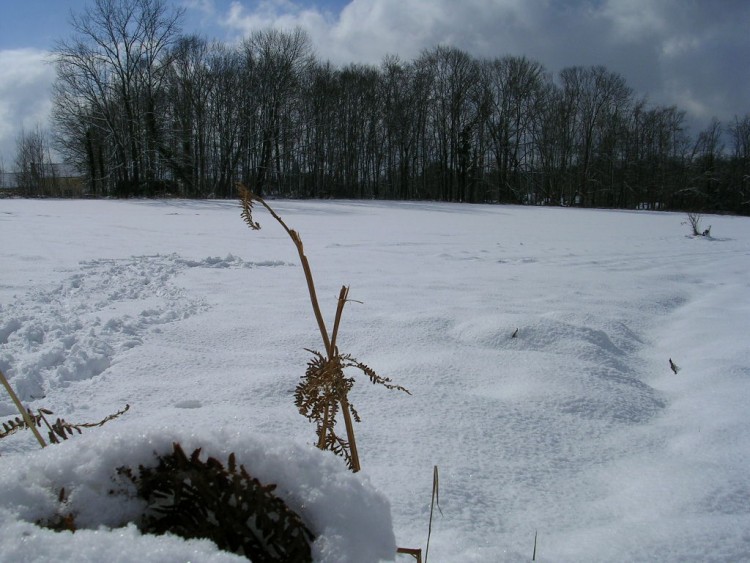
{"x":434,"y":502}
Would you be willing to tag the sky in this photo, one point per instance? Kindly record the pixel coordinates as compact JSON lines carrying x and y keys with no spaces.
{"x":694,"y":54}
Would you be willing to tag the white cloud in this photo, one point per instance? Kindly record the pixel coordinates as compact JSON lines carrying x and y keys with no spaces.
{"x":282,"y":14}
{"x":367,"y":30}
{"x":634,"y":20}
{"x":670,"y":51}
{"x":25,"y":95}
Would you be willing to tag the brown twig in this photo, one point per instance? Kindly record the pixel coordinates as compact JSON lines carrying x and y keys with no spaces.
{"x":345,"y":411}
{"x":324,"y":429}
{"x":23,"y":411}
{"x":343,"y":294}
{"x":434,"y":502}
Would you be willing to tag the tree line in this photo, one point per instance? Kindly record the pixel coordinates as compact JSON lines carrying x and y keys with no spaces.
{"x":143,"y":110}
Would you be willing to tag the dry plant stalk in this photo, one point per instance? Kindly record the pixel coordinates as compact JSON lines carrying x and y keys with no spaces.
{"x":434,"y":502}
{"x":324,"y":389}
{"x":26,"y":417}
{"x":417,"y":553}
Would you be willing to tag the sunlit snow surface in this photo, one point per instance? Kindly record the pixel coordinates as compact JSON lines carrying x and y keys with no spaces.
{"x":575,"y":429}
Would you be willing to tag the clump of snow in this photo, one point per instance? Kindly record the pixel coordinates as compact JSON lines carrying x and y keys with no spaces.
{"x":228,"y":261}
{"x":350,"y":519}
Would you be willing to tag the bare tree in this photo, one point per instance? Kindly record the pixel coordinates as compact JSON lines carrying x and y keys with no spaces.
{"x":186,"y":133}
{"x":144,"y":110}
{"x":740,"y":166}
{"x":740,"y":134}
{"x":107,"y":77}
{"x":454,"y":94}
{"x":655,"y":149}
{"x":514,"y":86}
{"x":33,"y":164}
{"x":704,"y":186}
{"x":598,"y":95}
{"x":403,"y":117}
{"x":275,"y":63}
{"x":319,"y":112}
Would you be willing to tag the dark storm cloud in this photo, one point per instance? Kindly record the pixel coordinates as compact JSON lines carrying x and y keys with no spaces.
{"x":690,"y":53}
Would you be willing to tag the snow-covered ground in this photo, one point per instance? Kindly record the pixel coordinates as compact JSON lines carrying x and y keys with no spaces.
{"x":575,"y":429}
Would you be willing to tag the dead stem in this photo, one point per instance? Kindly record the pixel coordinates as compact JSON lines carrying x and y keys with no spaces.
{"x":23,"y":411}
{"x":324,"y":385}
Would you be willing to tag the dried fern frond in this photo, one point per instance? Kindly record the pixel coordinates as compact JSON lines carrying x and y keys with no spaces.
{"x":348,"y":361}
{"x":324,"y":390}
{"x":61,"y":429}
{"x":246,"y":201}
{"x":319,"y":393}
{"x":57,"y":431}
{"x":15,"y":424}
{"x":196,"y":499}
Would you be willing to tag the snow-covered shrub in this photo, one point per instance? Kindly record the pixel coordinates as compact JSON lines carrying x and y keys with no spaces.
{"x":349,"y":519}
{"x":205,"y":499}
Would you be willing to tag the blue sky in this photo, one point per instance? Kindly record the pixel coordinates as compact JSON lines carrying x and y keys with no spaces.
{"x":32,"y":23}
{"x":39,"y":23}
{"x":694,"y":54}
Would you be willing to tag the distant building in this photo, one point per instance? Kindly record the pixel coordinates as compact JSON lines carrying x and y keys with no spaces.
{"x":8,"y":180}
{"x":68,"y":182}
{"x":53,"y":180}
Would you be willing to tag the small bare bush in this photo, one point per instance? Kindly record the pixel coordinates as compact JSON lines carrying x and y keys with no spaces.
{"x":694,"y":221}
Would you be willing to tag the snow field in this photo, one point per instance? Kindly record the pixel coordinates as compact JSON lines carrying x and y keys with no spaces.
{"x":576,"y":428}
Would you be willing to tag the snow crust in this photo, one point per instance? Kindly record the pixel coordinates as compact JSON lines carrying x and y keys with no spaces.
{"x":575,"y":428}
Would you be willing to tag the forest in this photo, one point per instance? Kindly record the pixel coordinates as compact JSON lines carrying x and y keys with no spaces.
{"x":142,"y":110}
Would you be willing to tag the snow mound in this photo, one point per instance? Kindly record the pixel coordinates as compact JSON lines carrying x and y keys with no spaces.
{"x":350,"y":519}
